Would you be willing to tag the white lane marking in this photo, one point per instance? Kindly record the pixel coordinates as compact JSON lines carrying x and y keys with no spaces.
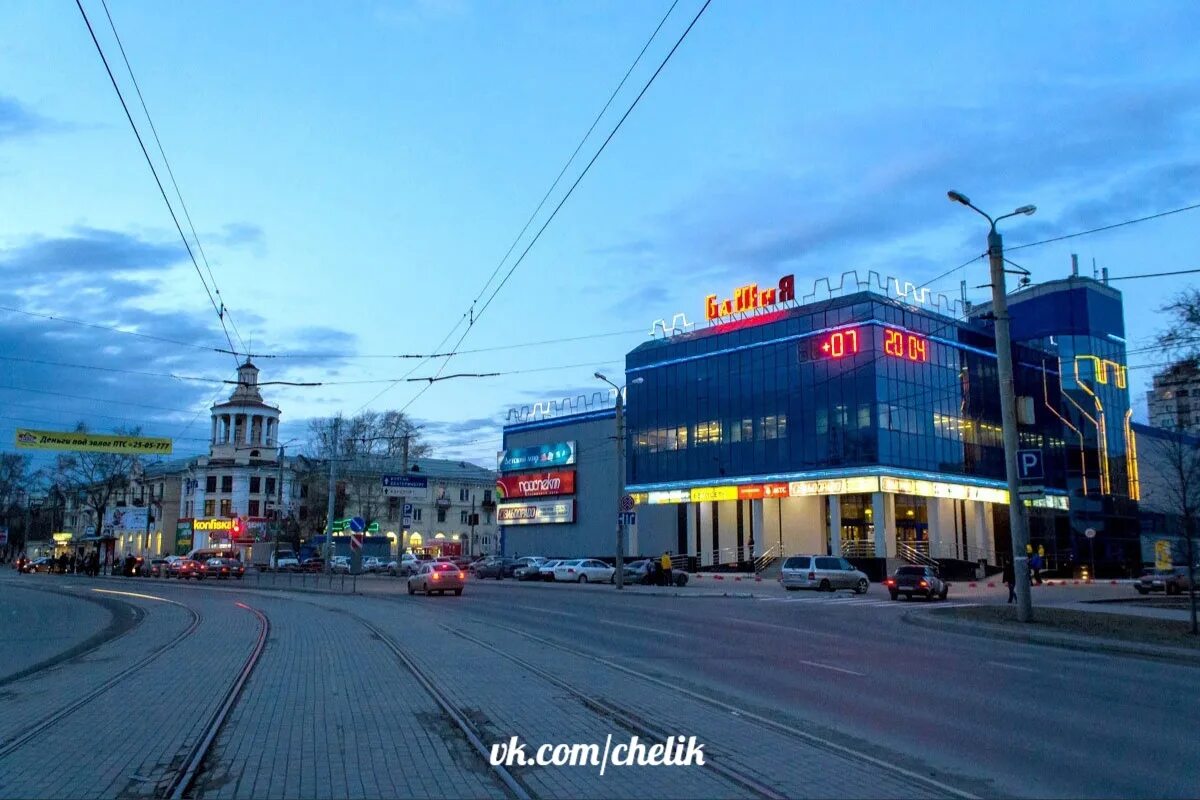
{"x":1012,"y":666}
{"x":835,"y":669}
{"x":135,"y":594}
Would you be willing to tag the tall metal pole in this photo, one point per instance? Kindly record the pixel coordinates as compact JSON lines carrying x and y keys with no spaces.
{"x":620,"y":560}
{"x":1008,"y":414}
{"x":329,"y":505}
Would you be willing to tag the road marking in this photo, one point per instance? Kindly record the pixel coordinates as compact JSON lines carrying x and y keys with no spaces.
{"x":1012,"y":666}
{"x":135,"y":594}
{"x":835,"y":669}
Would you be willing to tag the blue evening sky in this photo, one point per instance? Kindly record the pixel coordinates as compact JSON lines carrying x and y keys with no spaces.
{"x":357,"y":169}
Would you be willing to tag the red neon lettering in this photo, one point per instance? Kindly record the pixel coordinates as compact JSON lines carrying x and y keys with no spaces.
{"x":710,"y":307}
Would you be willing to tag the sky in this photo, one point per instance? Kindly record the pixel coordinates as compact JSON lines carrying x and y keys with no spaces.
{"x":357,"y":170}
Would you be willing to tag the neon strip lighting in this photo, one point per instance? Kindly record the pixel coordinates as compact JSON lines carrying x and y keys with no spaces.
{"x":1131,"y":460}
{"x":852,"y":472}
{"x":1067,"y":422}
{"x":1102,"y":431}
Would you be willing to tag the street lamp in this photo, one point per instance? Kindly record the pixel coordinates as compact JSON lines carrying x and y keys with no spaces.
{"x":1008,"y":403}
{"x":620,"y":560}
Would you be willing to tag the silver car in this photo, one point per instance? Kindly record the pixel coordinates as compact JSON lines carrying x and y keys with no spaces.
{"x":823,"y":573}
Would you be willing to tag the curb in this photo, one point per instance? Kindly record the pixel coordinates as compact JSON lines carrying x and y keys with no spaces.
{"x":1066,"y":641}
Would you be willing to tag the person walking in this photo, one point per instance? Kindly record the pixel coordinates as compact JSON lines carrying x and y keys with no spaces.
{"x":1035,"y":563}
{"x":1010,"y":580}
{"x":665,"y":563}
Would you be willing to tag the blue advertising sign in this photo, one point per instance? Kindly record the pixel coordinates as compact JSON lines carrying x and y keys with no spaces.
{"x":559,"y":454}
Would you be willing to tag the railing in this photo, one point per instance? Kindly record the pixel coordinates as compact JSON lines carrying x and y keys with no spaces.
{"x":727,"y":555}
{"x":915,"y":553}
{"x":763,"y":561}
{"x":858,"y":548}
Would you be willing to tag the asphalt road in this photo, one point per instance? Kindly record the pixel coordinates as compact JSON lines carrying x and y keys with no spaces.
{"x":797,"y":695}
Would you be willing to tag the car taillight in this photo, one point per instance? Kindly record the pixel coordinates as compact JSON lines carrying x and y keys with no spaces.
{"x":462,"y":576}
{"x":437,"y":576}
{"x":812,"y":576}
{"x":924,"y":583}
{"x":889,"y":582}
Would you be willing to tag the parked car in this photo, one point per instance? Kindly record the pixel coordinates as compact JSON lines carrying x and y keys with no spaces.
{"x":340,"y":564}
{"x":823,"y":573}
{"x":584,"y":570}
{"x":157,"y":568}
{"x":44,"y":564}
{"x":471,"y":567}
{"x":546,"y":569}
{"x":406,"y":565}
{"x":225,"y":568}
{"x":637,"y":571}
{"x":527,"y":568}
{"x":1168,"y":581}
{"x":496,"y":567}
{"x":372,"y":564}
{"x":917,"y":580}
{"x":437,"y":576}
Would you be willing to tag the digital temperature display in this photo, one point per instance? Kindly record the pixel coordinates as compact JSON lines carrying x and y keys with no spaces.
{"x":896,"y":343}
{"x":840,"y":344}
{"x":900,"y":344}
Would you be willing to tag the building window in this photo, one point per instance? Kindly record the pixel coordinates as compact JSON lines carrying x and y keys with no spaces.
{"x":464,"y":495}
{"x":416,"y":515}
{"x":226,"y":508}
{"x":462,"y":517}
{"x":226,"y":483}
{"x":441,"y":515}
{"x":253,"y":508}
{"x":271,"y":486}
{"x":707,"y":432}
{"x":255,"y":485}
{"x":393,"y":508}
{"x":210,"y":507}
{"x":303,"y":490}
{"x":487,"y":495}
{"x":210,"y":484}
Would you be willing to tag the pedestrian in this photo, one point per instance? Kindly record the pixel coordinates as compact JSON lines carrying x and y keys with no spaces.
{"x":1010,"y":580}
{"x":94,"y":563}
{"x":1035,"y":564}
{"x":665,"y":563}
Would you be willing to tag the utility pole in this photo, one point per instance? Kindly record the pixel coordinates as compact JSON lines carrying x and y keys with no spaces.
{"x":1018,"y":522}
{"x":620,"y":560}
{"x":274,"y":558}
{"x":472,"y":519}
{"x":329,"y":505}
{"x":403,"y":541}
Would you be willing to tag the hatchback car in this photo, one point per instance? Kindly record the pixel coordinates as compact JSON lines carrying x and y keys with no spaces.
{"x":921,"y":581}
{"x":157,"y":568}
{"x":225,"y":568}
{"x":823,"y":573}
{"x":45,"y":564}
{"x":440,"y":577}
{"x":584,"y":570}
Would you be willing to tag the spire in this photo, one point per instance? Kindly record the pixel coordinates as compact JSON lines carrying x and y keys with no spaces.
{"x":247,"y":388}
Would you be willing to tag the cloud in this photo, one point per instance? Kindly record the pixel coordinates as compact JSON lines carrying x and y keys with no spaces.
{"x":17,"y":120}
{"x":239,"y":234}
{"x":89,"y":250}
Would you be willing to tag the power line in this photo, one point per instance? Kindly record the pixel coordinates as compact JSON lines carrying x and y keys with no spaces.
{"x":92,"y":399}
{"x":1105,"y":227}
{"x":162,"y":152}
{"x":112,"y":369}
{"x":1152,"y":275}
{"x":111,"y":329}
{"x":157,"y":180}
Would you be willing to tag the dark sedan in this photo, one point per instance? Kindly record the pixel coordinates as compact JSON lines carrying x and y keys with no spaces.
{"x":39,"y":565}
{"x":917,"y":581}
{"x":226,"y":568}
{"x":497,"y":568}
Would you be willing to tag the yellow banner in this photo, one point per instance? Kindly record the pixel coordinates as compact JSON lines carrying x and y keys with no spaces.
{"x":28,"y":439}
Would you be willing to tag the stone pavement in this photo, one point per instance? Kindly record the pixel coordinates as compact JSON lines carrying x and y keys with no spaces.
{"x":37,"y":623}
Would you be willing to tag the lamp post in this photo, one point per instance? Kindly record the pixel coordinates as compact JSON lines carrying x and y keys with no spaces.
{"x":1008,"y":403}
{"x":620,"y":559}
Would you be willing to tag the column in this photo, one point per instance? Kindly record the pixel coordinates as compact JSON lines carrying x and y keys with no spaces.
{"x":977,"y":519}
{"x":883,"y":513}
{"x":757,"y":532}
{"x":213,"y":439}
{"x":933,"y":513}
{"x":690,"y":518}
{"x":228,"y":419}
{"x":834,"y":504}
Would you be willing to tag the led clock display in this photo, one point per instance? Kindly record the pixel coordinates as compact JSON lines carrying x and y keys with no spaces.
{"x":851,"y":341}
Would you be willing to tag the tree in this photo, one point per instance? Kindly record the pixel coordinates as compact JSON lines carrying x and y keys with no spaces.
{"x":95,"y":478}
{"x":365,"y":445}
{"x":15,"y":483}
{"x":1171,"y":485}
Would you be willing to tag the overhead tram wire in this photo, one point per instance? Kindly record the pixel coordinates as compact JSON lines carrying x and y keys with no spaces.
{"x":111,"y":329}
{"x":170,"y":172}
{"x":471,"y":315}
{"x":645,"y":88}
{"x":153,"y":171}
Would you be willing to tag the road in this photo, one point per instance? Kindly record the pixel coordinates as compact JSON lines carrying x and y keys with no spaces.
{"x":380,"y":694}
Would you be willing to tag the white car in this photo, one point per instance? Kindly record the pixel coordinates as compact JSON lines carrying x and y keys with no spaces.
{"x":340,"y":564}
{"x":372,"y":564}
{"x":584,"y":570}
{"x":546,"y":570}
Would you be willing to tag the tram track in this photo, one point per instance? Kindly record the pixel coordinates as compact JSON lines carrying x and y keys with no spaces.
{"x":14,"y":743}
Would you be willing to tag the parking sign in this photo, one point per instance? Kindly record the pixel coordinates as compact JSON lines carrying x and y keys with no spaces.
{"x":1029,"y":465}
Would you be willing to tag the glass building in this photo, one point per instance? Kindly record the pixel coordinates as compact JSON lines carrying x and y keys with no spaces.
{"x":865,"y":420}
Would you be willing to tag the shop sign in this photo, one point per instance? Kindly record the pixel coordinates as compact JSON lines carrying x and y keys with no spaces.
{"x":210,"y":525}
{"x":951,"y":491}
{"x":1163,"y":556}
{"x":749,"y":298}
{"x":129,"y":519}
{"x":62,"y":537}
{"x":858,"y":485}
{"x":672,"y":496}
{"x":81,"y":441}
{"x":558,"y":454}
{"x":536,"y":484}
{"x":537,"y":512}
{"x":704,"y":494}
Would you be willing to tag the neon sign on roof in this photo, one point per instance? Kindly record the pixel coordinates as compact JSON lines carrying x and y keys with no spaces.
{"x":750,"y":298}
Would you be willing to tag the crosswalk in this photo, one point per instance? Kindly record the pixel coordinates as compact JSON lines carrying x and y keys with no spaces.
{"x":858,"y":601}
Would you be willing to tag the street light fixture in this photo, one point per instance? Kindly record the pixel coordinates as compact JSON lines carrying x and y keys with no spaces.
{"x":619,"y":577}
{"x":1008,"y":402}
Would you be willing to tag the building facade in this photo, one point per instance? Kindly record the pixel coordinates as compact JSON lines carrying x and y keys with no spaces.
{"x":1173,"y":402}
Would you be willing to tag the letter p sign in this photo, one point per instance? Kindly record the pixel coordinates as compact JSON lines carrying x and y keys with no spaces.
{"x":1029,"y":465}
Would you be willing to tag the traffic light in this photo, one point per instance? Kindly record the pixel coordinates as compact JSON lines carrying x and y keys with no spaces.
{"x":237,"y":528}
